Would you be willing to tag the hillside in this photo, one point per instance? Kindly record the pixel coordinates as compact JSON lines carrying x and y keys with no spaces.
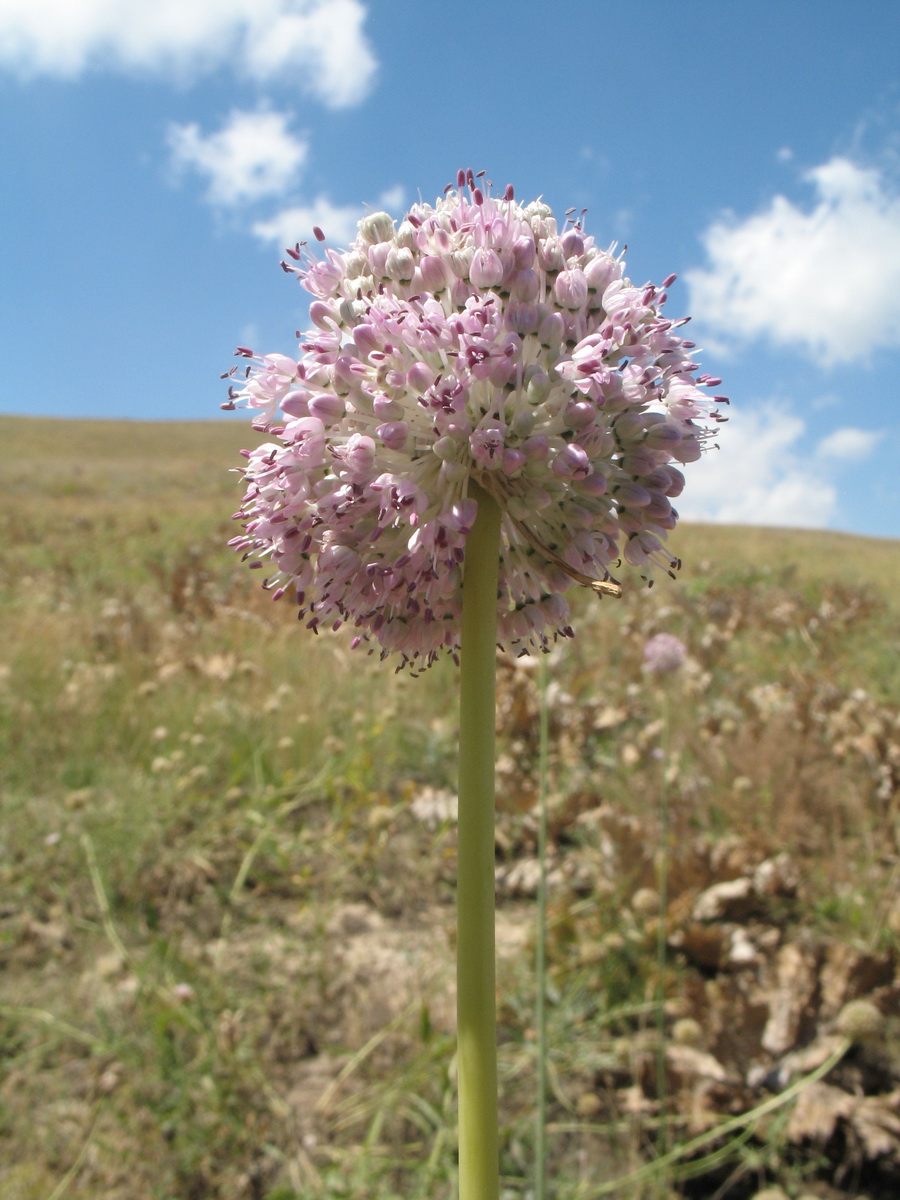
{"x":228,"y":861}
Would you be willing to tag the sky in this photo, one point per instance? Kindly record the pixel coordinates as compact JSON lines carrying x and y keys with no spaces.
{"x":156,"y":156}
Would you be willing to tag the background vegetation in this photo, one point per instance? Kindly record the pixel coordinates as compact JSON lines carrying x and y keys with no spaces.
{"x":227,"y":864}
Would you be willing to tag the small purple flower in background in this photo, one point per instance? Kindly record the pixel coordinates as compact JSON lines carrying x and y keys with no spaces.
{"x":475,"y":344}
{"x":664,"y":653}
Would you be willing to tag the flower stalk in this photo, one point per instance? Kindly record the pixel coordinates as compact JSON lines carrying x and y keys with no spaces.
{"x":475,"y":969}
{"x":485,"y":411}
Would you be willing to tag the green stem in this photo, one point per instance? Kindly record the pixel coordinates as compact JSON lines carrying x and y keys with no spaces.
{"x":661,"y":936}
{"x":479,"y":1172}
{"x":540,"y":1140}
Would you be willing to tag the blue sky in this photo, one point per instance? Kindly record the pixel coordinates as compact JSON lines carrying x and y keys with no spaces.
{"x":158,"y":154}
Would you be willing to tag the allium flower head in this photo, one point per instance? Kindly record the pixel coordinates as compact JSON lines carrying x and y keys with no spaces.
{"x":475,"y":345}
{"x":664,"y":653}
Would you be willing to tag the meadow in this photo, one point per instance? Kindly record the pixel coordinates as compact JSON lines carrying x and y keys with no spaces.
{"x":227,"y":862}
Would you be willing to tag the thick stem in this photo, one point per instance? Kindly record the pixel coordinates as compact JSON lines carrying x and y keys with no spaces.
{"x":540,"y":1137}
{"x":475,"y":969}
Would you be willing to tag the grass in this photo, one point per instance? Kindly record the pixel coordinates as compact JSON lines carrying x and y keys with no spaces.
{"x":226,"y":917}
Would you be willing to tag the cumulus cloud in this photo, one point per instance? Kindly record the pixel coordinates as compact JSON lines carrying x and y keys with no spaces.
{"x":825,"y":279}
{"x":318,"y":44}
{"x":759,"y":475}
{"x":848,"y":445}
{"x":253,"y":155}
{"x":337,"y":221}
{"x":393,"y":199}
{"x":295,"y":224}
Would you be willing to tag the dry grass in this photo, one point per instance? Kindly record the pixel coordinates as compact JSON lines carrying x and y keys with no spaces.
{"x":226,"y":914}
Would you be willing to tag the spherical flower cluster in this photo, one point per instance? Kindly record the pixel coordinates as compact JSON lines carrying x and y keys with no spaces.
{"x":475,"y":346}
{"x":664,"y":653}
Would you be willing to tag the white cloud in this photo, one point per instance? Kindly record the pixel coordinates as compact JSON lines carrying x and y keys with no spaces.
{"x":337,"y":221}
{"x":826,"y":280}
{"x":848,"y":444}
{"x":393,"y":199}
{"x":295,"y":224}
{"x":253,"y":155}
{"x":319,"y":44}
{"x":758,"y":477}
{"x":324,"y":36}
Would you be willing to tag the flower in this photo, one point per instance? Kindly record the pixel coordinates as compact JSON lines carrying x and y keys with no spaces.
{"x":664,"y":653}
{"x":476,"y":345}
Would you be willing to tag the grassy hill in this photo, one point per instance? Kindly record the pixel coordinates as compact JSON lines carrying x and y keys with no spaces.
{"x":226,"y":879}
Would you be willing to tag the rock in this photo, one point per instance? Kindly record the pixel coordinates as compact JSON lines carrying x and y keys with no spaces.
{"x":741,"y":951}
{"x":796,"y":981}
{"x":802,"y":1062}
{"x":434,"y":807}
{"x":704,"y":945}
{"x":687,"y":1063}
{"x":778,"y":876}
{"x":848,"y":974}
{"x":874,"y":1120}
{"x":733,"y":900}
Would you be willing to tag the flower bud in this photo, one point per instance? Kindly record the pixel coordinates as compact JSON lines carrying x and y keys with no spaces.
{"x":406,"y":236}
{"x":861,"y":1021}
{"x":631,"y":494}
{"x":523,"y":253}
{"x":513,"y":462}
{"x":629,"y":427}
{"x":351,"y":311}
{"x":378,"y":256}
{"x":460,"y":261}
{"x":376,"y":227}
{"x":366,"y":340}
{"x":537,"y":385}
{"x":400,"y":264}
{"x":386,"y":409}
{"x":572,"y":243}
{"x":580,"y":413}
{"x":659,"y":508}
{"x":393,"y":434}
{"x":600,"y":271}
{"x":688,"y":449}
{"x":521,"y":423}
{"x":325,"y":407}
{"x":663,"y":436}
{"x":550,"y":255}
{"x":294,"y":404}
{"x":537,"y":448}
{"x":433,"y":272}
{"x":324,"y":314}
{"x":594,"y":484}
{"x":522,"y":318}
{"x":420,"y":377}
{"x":570,"y":289}
{"x":356,"y":264}
{"x":552,"y":331}
{"x":486,"y":268}
{"x":571,"y":463}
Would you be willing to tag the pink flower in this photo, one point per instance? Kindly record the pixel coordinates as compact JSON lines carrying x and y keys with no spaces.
{"x":664,"y":653}
{"x":476,"y":343}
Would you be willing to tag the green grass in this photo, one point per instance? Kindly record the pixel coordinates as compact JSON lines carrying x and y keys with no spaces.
{"x":225,"y":936}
